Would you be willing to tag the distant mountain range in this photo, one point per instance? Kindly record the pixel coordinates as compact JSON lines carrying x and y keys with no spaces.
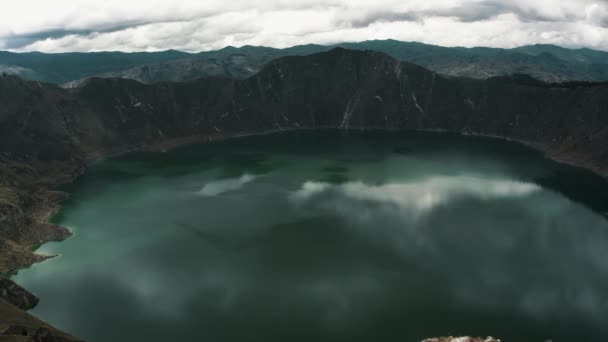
{"x":548,"y":63}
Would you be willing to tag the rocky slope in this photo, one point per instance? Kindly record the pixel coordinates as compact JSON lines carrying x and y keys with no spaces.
{"x":48,"y":134}
{"x":545,"y":62}
{"x":65,"y":67}
{"x":549,"y":63}
{"x":237,"y":63}
{"x":16,"y":325}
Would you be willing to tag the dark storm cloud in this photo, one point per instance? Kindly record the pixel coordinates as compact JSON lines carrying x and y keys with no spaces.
{"x":17,"y":41}
{"x":474,"y":12}
{"x":601,"y":15}
{"x":465,"y":12}
{"x":375,"y":17}
{"x":484,"y":10}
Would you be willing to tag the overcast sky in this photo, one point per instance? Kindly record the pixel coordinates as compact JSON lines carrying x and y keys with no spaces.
{"x":196,"y":25}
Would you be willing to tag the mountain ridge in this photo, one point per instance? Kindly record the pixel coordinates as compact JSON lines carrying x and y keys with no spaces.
{"x":546,"y":62}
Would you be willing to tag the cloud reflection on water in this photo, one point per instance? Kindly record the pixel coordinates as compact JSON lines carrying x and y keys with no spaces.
{"x":225,"y":185}
{"x":415,"y":197}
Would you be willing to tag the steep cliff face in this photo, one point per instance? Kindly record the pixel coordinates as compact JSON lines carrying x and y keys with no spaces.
{"x":350,"y":89}
{"x":34,"y":152}
{"x":16,"y":295}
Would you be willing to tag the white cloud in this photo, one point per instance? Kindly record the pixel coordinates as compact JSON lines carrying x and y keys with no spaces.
{"x":190,"y":25}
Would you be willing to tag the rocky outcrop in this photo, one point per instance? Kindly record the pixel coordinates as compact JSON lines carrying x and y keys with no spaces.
{"x":17,"y":325}
{"x":14,"y":256}
{"x":48,"y":134}
{"x":17,"y":295}
{"x":48,"y":335}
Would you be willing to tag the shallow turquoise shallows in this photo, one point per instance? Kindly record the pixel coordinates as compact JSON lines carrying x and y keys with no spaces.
{"x":331,"y":236}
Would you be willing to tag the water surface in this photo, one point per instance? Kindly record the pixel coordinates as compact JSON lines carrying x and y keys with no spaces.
{"x":331,"y":236}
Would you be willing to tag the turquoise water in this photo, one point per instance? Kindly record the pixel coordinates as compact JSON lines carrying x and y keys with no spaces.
{"x":330,"y":236}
